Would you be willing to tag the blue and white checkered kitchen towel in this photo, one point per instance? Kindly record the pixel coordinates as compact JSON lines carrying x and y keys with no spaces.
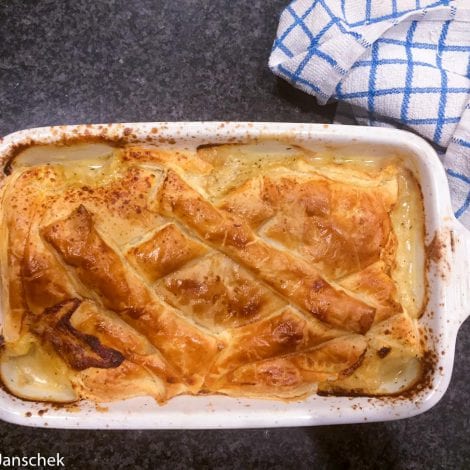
{"x":404,"y":63}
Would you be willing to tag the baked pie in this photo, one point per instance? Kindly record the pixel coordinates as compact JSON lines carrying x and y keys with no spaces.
{"x":250,"y":270}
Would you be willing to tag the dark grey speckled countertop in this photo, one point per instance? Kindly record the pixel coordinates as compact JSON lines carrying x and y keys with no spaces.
{"x":64,"y":62}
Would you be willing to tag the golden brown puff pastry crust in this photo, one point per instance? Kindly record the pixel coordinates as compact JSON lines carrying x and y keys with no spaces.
{"x":175,"y":272}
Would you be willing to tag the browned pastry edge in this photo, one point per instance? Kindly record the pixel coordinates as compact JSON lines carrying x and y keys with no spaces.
{"x":78,"y":349}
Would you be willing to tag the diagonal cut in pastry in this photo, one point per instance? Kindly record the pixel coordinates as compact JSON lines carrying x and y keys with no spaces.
{"x":289,"y":275}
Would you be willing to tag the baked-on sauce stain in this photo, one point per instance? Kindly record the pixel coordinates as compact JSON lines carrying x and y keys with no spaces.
{"x":383,"y":352}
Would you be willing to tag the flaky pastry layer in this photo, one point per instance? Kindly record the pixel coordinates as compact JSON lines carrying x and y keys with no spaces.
{"x":223,"y":270}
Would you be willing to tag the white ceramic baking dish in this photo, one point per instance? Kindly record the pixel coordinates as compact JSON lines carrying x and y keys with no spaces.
{"x":447,"y":272}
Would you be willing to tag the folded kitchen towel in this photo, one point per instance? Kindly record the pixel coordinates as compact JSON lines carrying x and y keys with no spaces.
{"x":404,"y":63}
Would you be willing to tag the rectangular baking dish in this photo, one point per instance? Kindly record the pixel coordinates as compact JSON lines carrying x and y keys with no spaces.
{"x":447,"y":272}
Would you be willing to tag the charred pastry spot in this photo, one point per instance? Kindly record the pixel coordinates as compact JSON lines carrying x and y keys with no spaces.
{"x":78,"y":349}
{"x":2,"y":341}
{"x":383,"y":352}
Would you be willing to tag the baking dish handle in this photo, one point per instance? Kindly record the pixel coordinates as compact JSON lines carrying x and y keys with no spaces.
{"x":460,"y":243}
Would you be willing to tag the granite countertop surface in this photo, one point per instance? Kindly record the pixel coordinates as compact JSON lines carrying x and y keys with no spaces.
{"x":65,"y":62}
